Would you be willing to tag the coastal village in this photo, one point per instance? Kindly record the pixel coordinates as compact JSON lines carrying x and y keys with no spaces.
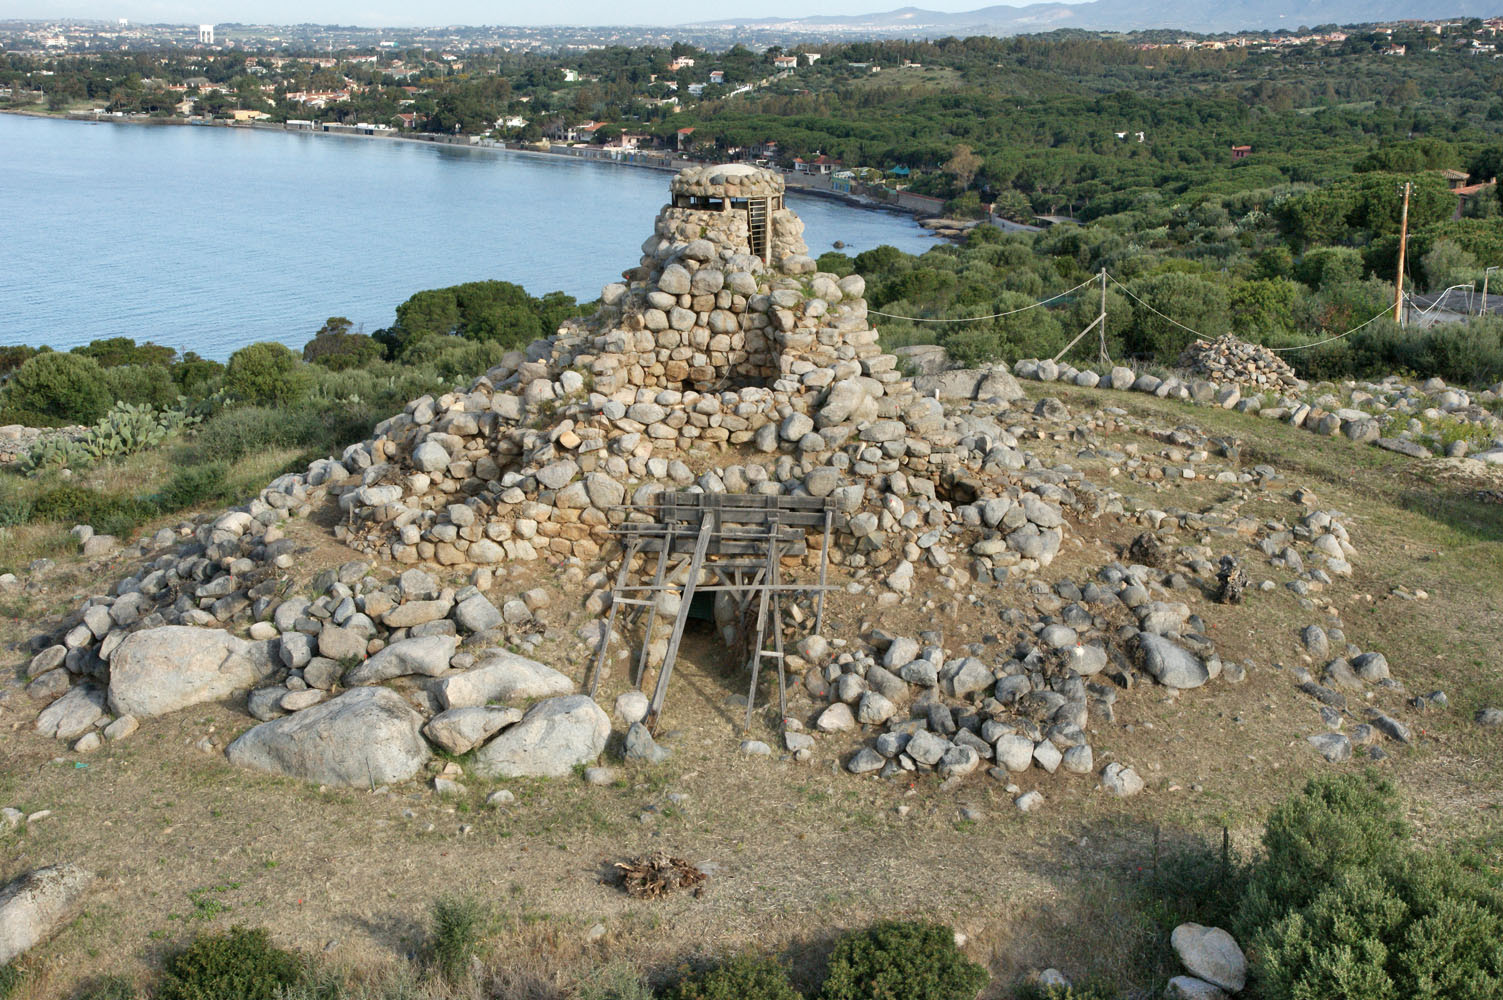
{"x":579,"y":101}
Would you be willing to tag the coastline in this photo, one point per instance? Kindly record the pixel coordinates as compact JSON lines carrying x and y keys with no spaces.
{"x":669,"y":164}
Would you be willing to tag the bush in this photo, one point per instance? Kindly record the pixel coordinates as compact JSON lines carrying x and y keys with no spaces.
{"x":1338,"y":824}
{"x":267,"y":374}
{"x":233,"y":434}
{"x":901,"y":960}
{"x":66,"y":387}
{"x":745,"y":977}
{"x":241,"y":964}
{"x":142,"y":385}
{"x":110,"y":514}
{"x":457,"y":925}
{"x":194,"y":485}
{"x":1344,"y":905}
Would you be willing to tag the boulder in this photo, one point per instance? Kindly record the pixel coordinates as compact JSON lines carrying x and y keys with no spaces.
{"x":1169,"y":663}
{"x":36,"y":905}
{"x":427,"y":657}
{"x":1121,"y":780}
{"x":1190,"y":988}
{"x":501,"y":676}
{"x":460,"y":730}
{"x":161,"y":670}
{"x":73,"y":714}
{"x":1210,"y":953}
{"x":365,"y":737}
{"x":553,"y":737}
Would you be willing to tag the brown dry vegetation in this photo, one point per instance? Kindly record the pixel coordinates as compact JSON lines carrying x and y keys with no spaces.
{"x":796,"y":852}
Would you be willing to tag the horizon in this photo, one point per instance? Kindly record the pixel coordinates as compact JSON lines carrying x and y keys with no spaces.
{"x":465,"y":13}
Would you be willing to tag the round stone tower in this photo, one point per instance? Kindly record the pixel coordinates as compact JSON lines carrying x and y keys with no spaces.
{"x":725,"y":297}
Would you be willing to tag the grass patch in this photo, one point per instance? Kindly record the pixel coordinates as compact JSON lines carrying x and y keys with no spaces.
{"x":457,"y":925}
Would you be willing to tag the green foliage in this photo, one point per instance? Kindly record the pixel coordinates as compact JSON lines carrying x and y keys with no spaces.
{"x":240,"y":964}
{"x":10,"y":978}
{"x":125,"y":430}
{"x":143,"y":385}
{"x":193,"y":486}
{"x":1087,"y":991}
{"x":232,"y":434}
{"x":490,"y":311}
{"x":901,"y":960}
{"x":454,"y":935}
{"x":267,"y":374}
{"x":744,"y":977}
{"x":1326,"y":266}
{"x":337,"y":349}
{"x":116,"y":352}
{"x":14,"y":356}
{"x":1339,"y":823}
{"x":109,"y":513}
{"x":1166,"y":304}
{"x":67,"y":387}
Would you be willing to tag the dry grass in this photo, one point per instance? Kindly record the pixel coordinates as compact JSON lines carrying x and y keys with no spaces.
{"x":796,"y":853}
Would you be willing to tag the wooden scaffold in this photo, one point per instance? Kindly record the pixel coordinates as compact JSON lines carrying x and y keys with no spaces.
{"x":732,"y":543}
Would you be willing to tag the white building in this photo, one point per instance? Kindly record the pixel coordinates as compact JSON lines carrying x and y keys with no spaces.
{"x":206,"y":34}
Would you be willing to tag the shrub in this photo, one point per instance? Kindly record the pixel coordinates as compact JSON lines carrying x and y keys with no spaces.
{"x":241,"y":964}
{"x":337,"y":349}
{"x":233,"y":434}
{"x":110,"y":514}
{"x":63,"y":386}
{"x":901,"y":960}
{"x":744,"y":977}
{"x":143,"y":385}
{"x":1338,"y":824}
{"x":267,"y":374}
{"x":10,"y":978}
{"x":455,"y":941}
{"x":1075,"y":991}
{"x":194,"y":485}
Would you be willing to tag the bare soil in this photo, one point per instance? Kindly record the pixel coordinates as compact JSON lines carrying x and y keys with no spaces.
{"x":798,"y":852}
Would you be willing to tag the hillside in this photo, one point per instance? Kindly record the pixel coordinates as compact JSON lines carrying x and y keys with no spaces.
{"x":1079,"y":623}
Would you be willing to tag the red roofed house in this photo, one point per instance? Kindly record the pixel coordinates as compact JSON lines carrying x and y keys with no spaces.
{"x":1241,"y":153}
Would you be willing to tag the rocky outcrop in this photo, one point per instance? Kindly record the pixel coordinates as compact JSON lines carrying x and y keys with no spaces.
{"x":552,"y":739}
{"x":36,"y":905}
{"x":363,"y":738}
{"x":162,"y":670}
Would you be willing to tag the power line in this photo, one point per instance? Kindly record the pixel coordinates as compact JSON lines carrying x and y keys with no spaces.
{"x":975,"y":319}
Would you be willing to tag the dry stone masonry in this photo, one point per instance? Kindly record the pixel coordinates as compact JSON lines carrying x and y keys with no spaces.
{"x":722,"y":362}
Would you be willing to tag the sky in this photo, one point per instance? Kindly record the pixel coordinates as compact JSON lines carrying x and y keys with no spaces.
{"x":402,"y":13}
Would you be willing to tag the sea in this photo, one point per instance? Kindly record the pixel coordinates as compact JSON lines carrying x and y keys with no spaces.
{"x":207,"y":239}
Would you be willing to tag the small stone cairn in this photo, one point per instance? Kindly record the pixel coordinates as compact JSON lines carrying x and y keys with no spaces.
{"x":1228,"y":359}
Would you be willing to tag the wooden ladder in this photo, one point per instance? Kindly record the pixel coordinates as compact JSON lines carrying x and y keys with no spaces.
{"x":772,"y":596}
{"x":756,"y":222}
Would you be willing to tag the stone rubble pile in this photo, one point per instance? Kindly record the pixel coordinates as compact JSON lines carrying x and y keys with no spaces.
{"x":1228,"y":359}
{"x":713,"y":369}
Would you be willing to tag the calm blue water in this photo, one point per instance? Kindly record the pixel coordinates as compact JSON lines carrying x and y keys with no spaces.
{"x":207,"y":239}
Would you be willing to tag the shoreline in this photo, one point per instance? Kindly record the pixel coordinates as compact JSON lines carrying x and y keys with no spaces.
{"x":672,"y":165}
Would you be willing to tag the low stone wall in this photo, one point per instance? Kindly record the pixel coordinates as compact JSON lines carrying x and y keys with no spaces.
{"x":1390,"y":414}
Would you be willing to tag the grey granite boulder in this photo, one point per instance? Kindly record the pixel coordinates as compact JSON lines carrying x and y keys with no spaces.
{"x":365,"y":737}
{"x":37,"y":905}
{"x":427,"y":657}
{"x":1210,"y":953}
{"x":1169,"y":663}
{"x":553,"y":737}
{"x":502,"y":676}
{"x":161,"y":670}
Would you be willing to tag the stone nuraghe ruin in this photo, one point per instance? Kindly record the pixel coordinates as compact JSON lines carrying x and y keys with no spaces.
{"x":724,"y":362}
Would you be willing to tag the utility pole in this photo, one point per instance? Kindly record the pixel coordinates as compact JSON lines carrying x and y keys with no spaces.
{"x":1104,"y":356}
{"x":1398,"y":288}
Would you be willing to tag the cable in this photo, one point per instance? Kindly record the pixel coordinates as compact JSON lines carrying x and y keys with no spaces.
{"x":1151,"y":309}
{"x":975,"y":319}
{"x":1280,"y":350}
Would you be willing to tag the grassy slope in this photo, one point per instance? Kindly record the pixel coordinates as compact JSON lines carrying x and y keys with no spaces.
{"x":187,"y":843}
